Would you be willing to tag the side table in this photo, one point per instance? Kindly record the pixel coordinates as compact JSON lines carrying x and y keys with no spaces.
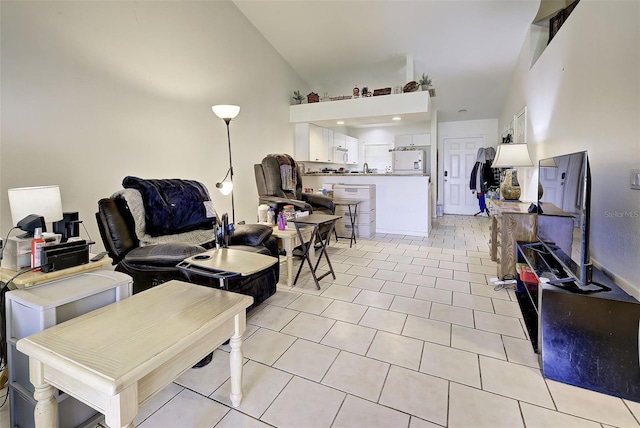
{"x":30,"y":279}
{"x":352,"y":216}
{"x":316,"y":220}
{"x":33,"y":309}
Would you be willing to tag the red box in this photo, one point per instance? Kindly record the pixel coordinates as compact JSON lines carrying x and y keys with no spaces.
{"x":527,"y":275}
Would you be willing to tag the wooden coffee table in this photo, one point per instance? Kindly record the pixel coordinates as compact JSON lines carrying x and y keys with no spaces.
{"x":117,"y":357}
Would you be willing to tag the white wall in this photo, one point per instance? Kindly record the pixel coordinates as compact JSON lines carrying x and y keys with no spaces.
{"x":583,"y":93}
{"x":95,"y":91}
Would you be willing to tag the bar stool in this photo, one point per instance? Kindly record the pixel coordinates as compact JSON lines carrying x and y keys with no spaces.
{"x":352,"y":217}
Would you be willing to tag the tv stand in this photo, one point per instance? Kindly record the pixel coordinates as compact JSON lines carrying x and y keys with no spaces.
{"x":584,"y":337}
{"x":548,"y":268}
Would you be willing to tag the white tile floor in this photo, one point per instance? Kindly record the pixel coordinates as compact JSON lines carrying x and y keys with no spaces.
{"x":410,"y":334}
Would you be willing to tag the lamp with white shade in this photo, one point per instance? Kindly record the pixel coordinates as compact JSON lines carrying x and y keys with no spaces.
{"x":33,"y":207}
{"x":227,"y":112}
{"x":511,"y":156}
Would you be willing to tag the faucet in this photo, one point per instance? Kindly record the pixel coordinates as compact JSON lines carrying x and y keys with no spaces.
{"x":365,"y":168}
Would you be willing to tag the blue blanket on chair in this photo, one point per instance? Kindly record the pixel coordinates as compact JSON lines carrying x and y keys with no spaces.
{"x":172,"y":205}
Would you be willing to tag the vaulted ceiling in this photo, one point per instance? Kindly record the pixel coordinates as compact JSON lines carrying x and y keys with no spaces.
{"x":469,"y":48}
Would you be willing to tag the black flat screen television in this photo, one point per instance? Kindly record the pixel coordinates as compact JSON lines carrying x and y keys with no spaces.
{"x":564,"y":187}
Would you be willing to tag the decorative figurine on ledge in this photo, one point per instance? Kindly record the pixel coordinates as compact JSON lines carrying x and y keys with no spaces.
{"x":298,"y":97}
{"x":356,"y":92}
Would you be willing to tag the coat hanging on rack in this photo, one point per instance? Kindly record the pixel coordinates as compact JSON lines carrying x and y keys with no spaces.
{"x":482,"y":176}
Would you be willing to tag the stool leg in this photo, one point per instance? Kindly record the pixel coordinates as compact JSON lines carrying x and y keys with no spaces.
{"x":335,"y":232}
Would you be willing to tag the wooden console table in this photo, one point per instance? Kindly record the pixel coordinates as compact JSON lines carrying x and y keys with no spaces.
{"x":119,"y":356}
{"x":511,"y":223}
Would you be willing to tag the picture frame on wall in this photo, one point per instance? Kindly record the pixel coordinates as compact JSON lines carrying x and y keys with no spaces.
{"x":520,"y":127}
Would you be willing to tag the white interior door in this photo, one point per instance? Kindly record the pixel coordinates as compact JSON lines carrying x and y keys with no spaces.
{"x":459,"y":158}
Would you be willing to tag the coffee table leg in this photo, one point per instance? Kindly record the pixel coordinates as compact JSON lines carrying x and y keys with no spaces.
{"x":122,"y":408}
{"x":46,"y":412}
{"x":235,"y":360}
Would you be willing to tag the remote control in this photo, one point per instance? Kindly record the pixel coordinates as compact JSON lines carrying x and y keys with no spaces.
{"x":98,"y":256}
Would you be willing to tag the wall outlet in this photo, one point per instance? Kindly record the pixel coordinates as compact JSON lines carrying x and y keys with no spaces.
{"x":635,"y":179}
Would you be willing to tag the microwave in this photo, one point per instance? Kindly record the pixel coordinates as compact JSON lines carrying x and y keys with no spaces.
{"x":340,"y":155}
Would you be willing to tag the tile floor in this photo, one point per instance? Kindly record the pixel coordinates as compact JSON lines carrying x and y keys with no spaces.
{"x":409,"y":334}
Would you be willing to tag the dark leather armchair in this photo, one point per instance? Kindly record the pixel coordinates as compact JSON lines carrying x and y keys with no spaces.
{"x":150,"y":265}
{"x":272,"y":193}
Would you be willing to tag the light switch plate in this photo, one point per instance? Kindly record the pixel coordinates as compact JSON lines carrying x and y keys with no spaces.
{"x":635,"y":179}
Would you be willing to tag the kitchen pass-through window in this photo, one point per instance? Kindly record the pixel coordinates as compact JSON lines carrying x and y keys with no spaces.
{"x":378,"y":156}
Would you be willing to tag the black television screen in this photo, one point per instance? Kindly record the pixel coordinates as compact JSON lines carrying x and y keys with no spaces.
{"x":564,"y":187}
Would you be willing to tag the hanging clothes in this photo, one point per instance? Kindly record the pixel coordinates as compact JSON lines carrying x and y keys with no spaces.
{"x":482,"y":175}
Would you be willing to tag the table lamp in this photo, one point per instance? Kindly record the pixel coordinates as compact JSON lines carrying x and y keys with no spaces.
{"x":511,"y":156}
{"x":33,"y":207}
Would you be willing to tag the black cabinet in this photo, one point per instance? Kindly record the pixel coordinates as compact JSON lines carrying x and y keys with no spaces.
{"x":588,"y":340}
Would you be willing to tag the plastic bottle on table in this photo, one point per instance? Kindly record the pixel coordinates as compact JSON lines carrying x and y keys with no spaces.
{"x":271,"y":216}
{"x":36,"y":248}
{"x":281,"y":222}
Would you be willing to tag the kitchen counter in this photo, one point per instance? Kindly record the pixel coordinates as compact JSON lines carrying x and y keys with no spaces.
{"x":403,"y":205}
{"x":360,"y":174}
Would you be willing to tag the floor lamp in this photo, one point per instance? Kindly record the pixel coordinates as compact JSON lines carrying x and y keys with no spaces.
{"x":227,"y":113}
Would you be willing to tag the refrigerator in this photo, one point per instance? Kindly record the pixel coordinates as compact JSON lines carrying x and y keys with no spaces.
{"x":409,"y":162}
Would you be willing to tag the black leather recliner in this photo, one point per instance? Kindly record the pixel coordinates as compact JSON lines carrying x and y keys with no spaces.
{"x":150,"y":265}
{"x":272,"y":193}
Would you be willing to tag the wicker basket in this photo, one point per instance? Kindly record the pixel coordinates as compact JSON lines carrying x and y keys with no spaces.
{"x":313,"y":98}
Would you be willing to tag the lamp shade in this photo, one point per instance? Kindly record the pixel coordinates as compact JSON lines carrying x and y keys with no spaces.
{"x":225,"y":111}
{"x":511,"y":155}
{"x":44,"y":201}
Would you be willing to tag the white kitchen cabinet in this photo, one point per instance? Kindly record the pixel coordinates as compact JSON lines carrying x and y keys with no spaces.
{"x":339,"y":140}
{"x":325,"y":153}
{"x":412,"y":140}
{"x":314,"y":143}
{"x":402,"y":140}
{"x":353,"y":148}
{"x":318,"y":145}
{"x":421,"y":140}
{"x":310,"y":143}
